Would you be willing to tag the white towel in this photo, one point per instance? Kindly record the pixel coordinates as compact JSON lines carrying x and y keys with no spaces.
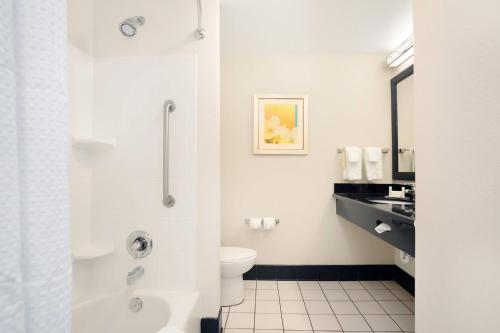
{"x":373,"y":163}
{"x":352,"y":165}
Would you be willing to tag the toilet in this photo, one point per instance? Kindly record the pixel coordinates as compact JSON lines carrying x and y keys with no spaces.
{"x":234,"y":262}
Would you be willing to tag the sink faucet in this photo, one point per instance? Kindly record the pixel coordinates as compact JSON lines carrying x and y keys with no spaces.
{"x":411,"y":191}
{"x":134,"y":274}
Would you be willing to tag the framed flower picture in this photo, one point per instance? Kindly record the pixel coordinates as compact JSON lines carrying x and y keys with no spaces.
{"x":280,"y":124}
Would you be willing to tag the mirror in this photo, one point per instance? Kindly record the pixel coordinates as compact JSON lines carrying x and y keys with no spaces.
{"x":403,"y":125}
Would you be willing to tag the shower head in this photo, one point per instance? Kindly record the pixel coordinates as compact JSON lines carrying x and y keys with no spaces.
{"x":128,"y":28}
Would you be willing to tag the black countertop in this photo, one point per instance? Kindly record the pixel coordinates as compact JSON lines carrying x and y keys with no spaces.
{"x":362,"y":193}
{"x":355,"y":203}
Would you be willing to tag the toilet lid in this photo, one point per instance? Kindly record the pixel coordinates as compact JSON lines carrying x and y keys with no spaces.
{"x":235,"y":254}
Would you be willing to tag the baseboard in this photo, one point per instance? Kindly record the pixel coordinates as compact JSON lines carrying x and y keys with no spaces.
{"x":212,"y":325}
{"x":332,"y":273}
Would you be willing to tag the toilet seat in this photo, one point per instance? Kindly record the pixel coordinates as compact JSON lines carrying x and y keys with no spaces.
{"x":230,"y":255}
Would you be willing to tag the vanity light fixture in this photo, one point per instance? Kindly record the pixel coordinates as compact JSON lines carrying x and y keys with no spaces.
{"x":402,"y":53}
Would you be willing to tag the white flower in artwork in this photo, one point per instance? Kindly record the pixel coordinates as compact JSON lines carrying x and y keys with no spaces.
{"x":273,"y":122}
{"x":279,"y":134}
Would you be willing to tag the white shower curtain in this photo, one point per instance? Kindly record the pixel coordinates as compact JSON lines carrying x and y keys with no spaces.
{"x":35,"y":262}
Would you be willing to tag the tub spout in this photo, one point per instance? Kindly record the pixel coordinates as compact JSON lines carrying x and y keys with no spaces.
{"x":135,"y":274}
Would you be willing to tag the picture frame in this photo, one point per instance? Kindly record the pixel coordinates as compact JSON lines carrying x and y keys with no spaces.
{"x":280,"y":124}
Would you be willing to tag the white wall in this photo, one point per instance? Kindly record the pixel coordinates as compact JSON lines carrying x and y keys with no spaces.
{"x":349,"y":104}
{"x":168,"y":32}
{"x":457,"y":117}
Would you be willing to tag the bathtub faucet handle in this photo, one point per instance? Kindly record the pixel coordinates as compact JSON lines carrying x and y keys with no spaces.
{"x":139,"y":244}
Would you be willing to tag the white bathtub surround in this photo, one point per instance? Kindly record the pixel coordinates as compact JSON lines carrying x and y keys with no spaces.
{"x":162,"y":312}
{"x":234,"y":261}
{"x":127,"y":180}
{"x":352,"y":165}
{"x":373,"y":163}
{"x":33,"y":168}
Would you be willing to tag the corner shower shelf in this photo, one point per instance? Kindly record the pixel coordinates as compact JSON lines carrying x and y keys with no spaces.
{"x":93,"y":143}
{"x":93,"y":251}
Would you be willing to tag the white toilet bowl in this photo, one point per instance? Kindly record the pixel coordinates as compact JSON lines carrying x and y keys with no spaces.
{"x":234,"y":261}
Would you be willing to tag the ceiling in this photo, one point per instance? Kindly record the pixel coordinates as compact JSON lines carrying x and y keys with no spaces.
{"x":314,"y":26}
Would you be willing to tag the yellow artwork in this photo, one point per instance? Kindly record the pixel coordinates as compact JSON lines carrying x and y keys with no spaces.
{"x":280,"y":124}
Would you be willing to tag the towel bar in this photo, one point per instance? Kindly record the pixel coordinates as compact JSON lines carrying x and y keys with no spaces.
{"x":384,"y":150}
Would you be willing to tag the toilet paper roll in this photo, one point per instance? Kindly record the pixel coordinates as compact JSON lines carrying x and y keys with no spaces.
{"x":255,"y":223}
{"x":269,"y":223}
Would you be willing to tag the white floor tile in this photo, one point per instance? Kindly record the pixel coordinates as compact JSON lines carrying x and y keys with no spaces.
{"x":249,"y":284}
{"x":267,"y":284}
{"x":309,"y":285}
{"x":410,"y":305}
{"x":351,"y":285}
{"x":343,"y":307}
{"x":383,"y":295}
{"x":324,"y":323}
{"x":318,"y":307}
{"x":406,"y":322}
{"x":336,"y":295}
{"x":369,"y":307}
{"x":268,"y":331}
{"x":248,"y":305}
{"x":330,"y":285}
{"x":290,"y":295}
{"x":373,"y":285}
{"x":240,"y":320}
{"x":403,"y":295}
{"x":288,"y":285}
{"x":381,"y":323}
{"x":298,"y":332}
{"x":267,"y":295}
{"x":395,"y":307}
{"x":353,"y":323}
{"x":268,"y":307}
{"x":392,"y":285}
{"x":359,"y":295}
{"x":238,"y":330}
{"x":249,"y":293}
{"x":297,"y":307}
{"x":313,"y":295}
{"x":296,"y":322}
{"x":268,"y":321}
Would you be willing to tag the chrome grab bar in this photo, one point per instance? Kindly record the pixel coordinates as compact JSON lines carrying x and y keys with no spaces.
{"x":168,"y":106}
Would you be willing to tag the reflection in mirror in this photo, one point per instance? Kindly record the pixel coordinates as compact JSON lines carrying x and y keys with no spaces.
{"x":406,"y":126}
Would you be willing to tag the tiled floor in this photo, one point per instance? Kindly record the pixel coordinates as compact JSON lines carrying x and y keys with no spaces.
{"x":307,"y":306}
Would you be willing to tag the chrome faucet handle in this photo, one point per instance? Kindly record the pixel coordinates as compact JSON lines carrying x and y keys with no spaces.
{"x":139,"y":244}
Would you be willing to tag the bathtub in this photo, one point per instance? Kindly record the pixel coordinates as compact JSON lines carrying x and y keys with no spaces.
{"x":162,"y":312}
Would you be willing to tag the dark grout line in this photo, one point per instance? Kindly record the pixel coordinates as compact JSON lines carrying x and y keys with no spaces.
{"x":305,"y":306}
{"x":354,"y":303}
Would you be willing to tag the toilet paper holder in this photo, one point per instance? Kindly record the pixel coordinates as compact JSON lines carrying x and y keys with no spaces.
{"x":247,"y":220}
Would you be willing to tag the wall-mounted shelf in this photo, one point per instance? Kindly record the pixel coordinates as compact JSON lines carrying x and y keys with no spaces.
{"x":93,"y":143}
{"x":92,"y":251}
